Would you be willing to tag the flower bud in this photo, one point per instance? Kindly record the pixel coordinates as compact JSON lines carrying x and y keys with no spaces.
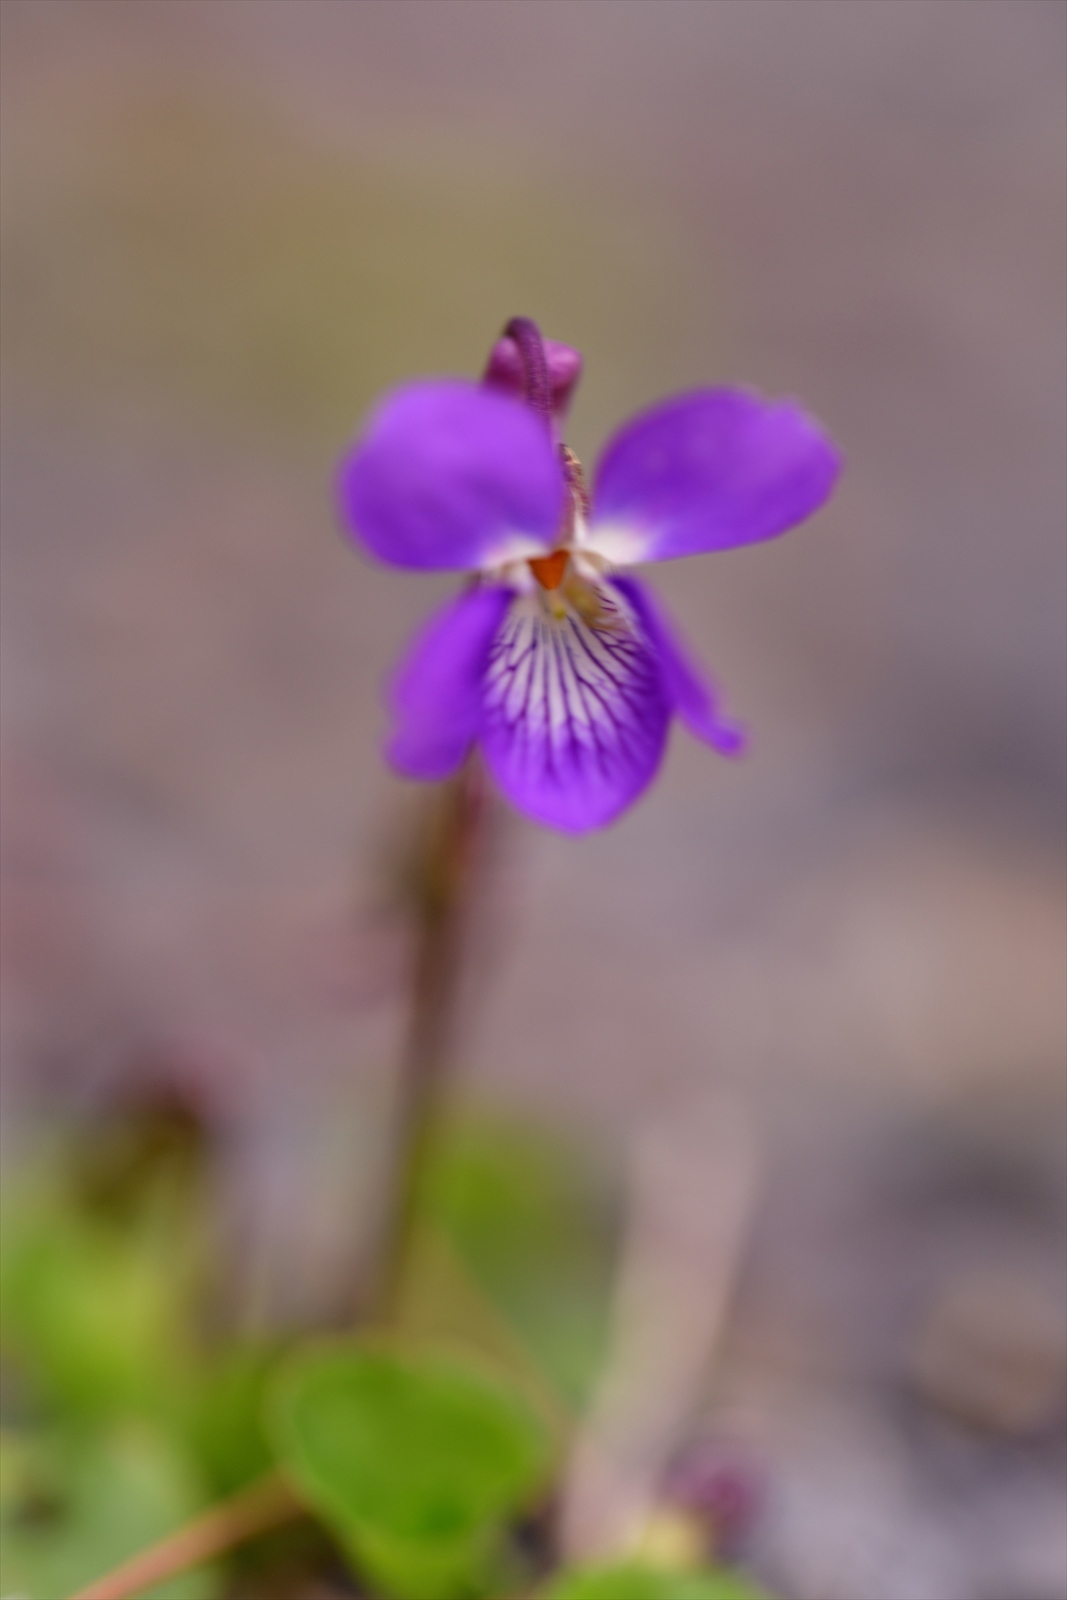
{"x":724,"y":1485}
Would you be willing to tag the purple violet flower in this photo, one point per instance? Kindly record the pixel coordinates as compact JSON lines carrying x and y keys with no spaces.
{"x":565,"y":670}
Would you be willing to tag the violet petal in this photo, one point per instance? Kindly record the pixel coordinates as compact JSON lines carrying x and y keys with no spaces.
{"x":574,"y":715}
{"x":706,"y":471}
{"x":436,"y":692}
{"x":689,"y":690}
{"x":449,"y":475}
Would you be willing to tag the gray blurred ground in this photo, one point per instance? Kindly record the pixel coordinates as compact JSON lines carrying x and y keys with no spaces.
{"x":230,"y":223}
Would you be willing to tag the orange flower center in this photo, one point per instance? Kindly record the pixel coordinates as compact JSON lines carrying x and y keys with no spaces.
{"x":549,"y":570}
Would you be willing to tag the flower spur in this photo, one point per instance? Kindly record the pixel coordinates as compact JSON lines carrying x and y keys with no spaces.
{"x":561,"y":667}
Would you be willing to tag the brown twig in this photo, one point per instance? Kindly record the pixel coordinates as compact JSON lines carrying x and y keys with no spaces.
{"x":261,"y":1506}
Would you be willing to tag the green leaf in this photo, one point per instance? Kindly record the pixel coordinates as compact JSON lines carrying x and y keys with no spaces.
{"x":414,"y":1459}
{"x":94,"y":1315}
{"x":224,"y":1422}
{"x":73,"y":1507}
{"x":631,"y":1581}
{"x":532,"y":1230}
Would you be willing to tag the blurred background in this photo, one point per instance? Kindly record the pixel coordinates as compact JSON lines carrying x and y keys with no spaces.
{"x":228,"y":224}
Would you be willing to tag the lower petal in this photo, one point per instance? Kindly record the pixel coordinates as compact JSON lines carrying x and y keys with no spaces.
{"x":436,"y":693}
{"x":691,"y":694}
{"x":574,"y":715}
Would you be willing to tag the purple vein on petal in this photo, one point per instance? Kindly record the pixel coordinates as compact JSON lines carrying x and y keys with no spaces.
{"x":574,"y":716}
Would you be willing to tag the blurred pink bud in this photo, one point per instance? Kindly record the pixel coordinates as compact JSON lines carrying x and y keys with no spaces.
{"x":721,"y":1483}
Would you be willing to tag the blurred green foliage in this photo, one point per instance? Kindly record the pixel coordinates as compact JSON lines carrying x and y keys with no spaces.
{"x":121,"y":1418}
{"x":630,"y":1581}
{"x":415,"y":1459}
{"x":107,"y":1286}
{"x":73,"y":1505}
{"x":533,"y":1227}
{"x":96,"y":1315}
{"x":130,"y":1400}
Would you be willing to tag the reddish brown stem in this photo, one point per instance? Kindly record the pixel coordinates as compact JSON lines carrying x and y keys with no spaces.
{"x":442,"y":883}
{"x":262,"y":1506}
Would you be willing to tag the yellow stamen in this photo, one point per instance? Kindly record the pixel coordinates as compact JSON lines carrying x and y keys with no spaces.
{"x":585,"y":600}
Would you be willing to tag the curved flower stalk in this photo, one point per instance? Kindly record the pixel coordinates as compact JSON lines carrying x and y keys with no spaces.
{"x":561,"y":666}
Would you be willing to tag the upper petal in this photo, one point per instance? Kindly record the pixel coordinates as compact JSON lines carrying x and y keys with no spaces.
{"x":436,"y":693}
{"x":690,"y":691}
{"x":706,"y":471}
{"x":574,"y":715}
{"x":448,"y":474}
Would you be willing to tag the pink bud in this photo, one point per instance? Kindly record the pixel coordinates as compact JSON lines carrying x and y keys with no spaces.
{"x":724,"y":1484}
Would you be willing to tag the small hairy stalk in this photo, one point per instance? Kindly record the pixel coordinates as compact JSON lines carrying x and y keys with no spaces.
{"x":537,"y":386}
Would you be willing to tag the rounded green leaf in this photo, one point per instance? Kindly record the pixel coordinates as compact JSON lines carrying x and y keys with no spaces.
{"x":94,"y":1316}
{"x":415,"y":1459}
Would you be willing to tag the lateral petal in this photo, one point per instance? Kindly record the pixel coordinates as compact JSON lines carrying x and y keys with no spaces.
{"x":690,"y":691}
{"x":706,"y":471}
{"x":435,"y":695}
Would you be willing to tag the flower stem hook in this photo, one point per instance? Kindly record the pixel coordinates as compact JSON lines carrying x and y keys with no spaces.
{"x":537,"y":386}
